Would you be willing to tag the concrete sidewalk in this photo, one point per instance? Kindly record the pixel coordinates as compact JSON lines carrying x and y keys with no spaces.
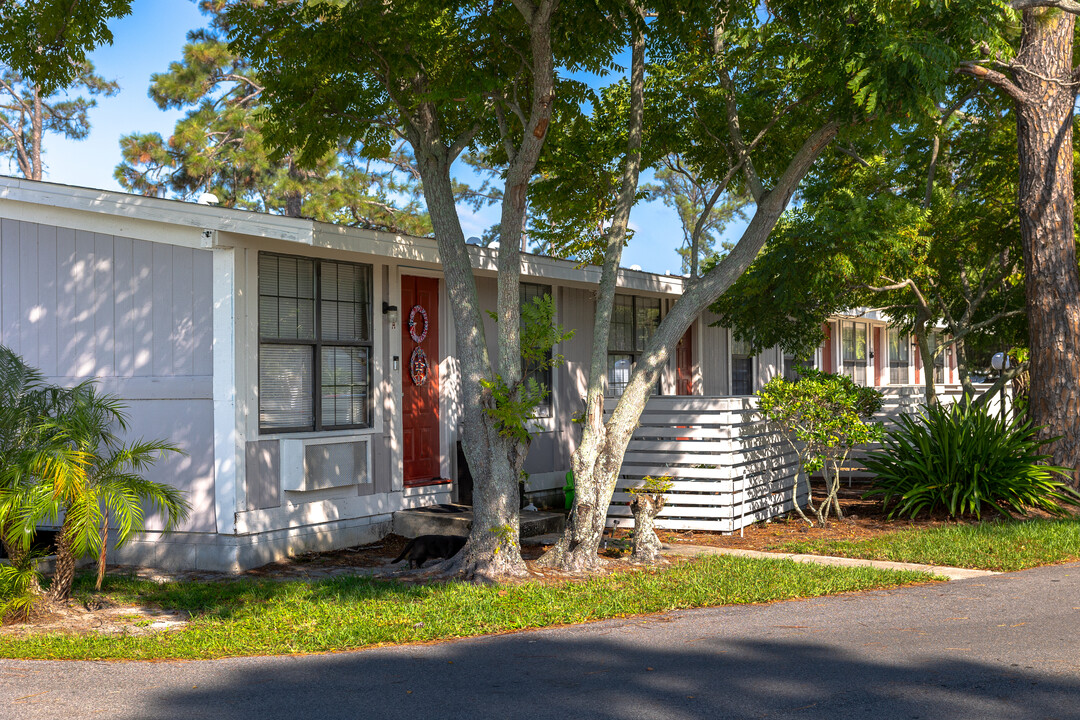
{"x":951,"y":573}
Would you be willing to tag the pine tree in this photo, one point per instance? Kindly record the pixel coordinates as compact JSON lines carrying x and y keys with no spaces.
{"x":218,"y":148}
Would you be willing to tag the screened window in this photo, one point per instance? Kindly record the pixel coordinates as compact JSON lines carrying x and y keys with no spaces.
{"x":853,"y":346}
{"x":633,"y":322}
{"x":315,"y":344}
{"x":742,"y":368}
{"x":792,"y":366}
{"x":542,"y":375}
{"x":899,"y":357}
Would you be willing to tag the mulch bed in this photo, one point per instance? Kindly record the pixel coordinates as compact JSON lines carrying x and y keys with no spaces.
{"x":863,"y":519}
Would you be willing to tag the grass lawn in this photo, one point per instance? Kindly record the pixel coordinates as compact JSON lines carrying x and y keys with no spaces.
{"x":1002,"y":546}
{"x":256,"y":617}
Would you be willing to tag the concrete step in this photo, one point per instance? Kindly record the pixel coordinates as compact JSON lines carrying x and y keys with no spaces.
{"x":451,"y":519}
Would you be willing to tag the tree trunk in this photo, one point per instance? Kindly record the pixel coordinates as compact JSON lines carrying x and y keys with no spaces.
{"x":922,"y":341}
{"x":37,"y":130}
{"x":1052,"y":282}
{"x":64,"y":574}
{"x":495,"y":461}
{"x":645,"y":507}
{"x":597,"y":460}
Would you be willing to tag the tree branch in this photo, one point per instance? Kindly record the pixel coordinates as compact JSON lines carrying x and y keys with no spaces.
{"x":994,"y":77}
{"x":1069,"y":6}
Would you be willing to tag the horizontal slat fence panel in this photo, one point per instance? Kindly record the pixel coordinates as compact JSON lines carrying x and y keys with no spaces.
{"x":729,"y":469}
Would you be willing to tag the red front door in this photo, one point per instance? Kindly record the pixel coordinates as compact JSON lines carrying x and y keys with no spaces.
{"x":684,"y":364}
{"x":420,"y":394}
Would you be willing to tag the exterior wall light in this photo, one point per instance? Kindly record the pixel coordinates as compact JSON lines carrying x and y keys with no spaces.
{"x":391,"y":313}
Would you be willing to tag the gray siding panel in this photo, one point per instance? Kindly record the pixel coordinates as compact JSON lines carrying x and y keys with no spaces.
{"x":28,"y":271}
{"x":142,"y":254}
{"x":83,"y":319}
{"x":263,"y":474}
{"x":104,"y":306}
{"x":202,"y":313}
{"x":81,"y":304}
{"x":183,"y":340}
{"x":47,"y":336}
{"x":9,"y":289}
{"x":66,"y":359}
{"x":714,"y":365}
{"x":124,"y":307}
{"x":382,"y":477}
{"x":162,"y":294}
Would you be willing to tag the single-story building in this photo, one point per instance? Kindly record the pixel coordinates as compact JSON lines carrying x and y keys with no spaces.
{"x":308,"y":370}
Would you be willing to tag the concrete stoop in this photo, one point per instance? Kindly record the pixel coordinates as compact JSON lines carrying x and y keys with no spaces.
{"x":451,"y":519}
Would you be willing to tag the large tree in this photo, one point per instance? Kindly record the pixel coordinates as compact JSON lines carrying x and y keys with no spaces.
{"x":218,"y":147}
{"x":923,"y":227}
{"x":445,"y":77}
{"x":28,"y":113}
{"x":763,"y":93}
{"x":1042,"y":83}
{"x":47,"y":41}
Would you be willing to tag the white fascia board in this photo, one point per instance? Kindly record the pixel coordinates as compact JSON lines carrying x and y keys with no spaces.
{"x":540,"y":266}
{"x":404,"y":248}
{"x":172,"y":212}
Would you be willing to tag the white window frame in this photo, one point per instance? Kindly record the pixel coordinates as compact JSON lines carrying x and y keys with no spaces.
{"x":730,"y":367}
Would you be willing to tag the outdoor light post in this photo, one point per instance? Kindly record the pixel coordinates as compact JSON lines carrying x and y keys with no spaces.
{"x":1000,"y":362}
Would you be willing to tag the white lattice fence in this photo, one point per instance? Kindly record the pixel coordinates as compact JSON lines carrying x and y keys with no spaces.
{"x":729,"y":469}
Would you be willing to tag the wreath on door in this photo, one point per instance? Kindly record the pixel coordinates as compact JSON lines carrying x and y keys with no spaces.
{"x":418,"y":366}
{"x":417,"y":310}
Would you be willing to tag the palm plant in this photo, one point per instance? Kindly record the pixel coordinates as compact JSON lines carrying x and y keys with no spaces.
{"x":114,"y":488}
{"x":61,"y":453}
{"x":32,"y":448}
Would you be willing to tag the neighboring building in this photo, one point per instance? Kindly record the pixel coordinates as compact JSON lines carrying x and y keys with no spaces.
{"x":278,"y":353}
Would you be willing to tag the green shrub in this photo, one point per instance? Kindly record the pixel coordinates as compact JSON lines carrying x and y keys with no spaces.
{"x":958,"y":458}
{"x":823,"y":417}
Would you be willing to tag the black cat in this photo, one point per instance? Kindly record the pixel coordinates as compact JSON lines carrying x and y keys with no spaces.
{"x":428,"y":547}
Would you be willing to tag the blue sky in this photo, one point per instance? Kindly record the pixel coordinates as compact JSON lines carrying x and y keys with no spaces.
{"x":151,"y":37}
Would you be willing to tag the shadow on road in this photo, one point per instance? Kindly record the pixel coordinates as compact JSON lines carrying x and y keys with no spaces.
{"x":601,"y":675}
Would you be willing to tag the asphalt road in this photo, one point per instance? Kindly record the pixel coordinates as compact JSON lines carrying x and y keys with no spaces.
{"x":1006,"y":646}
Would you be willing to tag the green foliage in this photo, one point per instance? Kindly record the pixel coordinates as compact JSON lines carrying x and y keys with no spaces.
{"x":683,"y":187}
{"x":511,"y":407}
{"x":999,"y":546}
{"x":20,"y":588}
{"x":219,"y":147}
{"x":61,"y":112}
{"x":652,"y":486}
{"x":823,"y":416}
{"x":60,"y":453}
{"x":960,"y":457}
{"x":865,"y":222}
{"x":47,"y":41}
{"x":825,"y":412}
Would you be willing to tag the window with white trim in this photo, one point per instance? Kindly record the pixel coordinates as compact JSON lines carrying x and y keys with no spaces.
{"x":742,"y":368}
{"x":853,"y":350}
{"x":936,"y":341}
{"x":792,"y":366}
{"x":315,"y":344}
{"x":633,"y":321}
{"x":899,"y":357}
{"x":542,"y":375}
